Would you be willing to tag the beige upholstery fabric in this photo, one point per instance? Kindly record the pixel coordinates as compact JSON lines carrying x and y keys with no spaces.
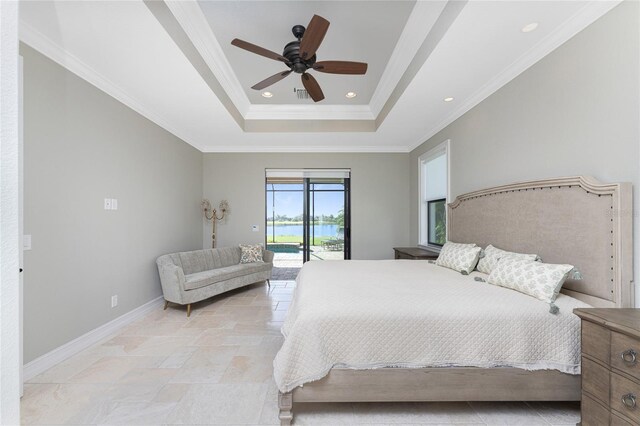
{"x":566,"y":225}
{"x":192,"y":276}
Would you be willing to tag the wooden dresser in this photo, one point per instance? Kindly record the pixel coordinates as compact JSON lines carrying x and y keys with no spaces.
{"x":416,"y":253}
{"x":610,"y":366}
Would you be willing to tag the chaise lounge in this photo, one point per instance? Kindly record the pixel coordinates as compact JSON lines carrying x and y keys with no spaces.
{"x":192,"y":276}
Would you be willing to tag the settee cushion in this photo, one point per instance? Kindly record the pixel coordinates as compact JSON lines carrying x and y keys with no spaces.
{"x":205,"y":278}
{"x":195,"y":261}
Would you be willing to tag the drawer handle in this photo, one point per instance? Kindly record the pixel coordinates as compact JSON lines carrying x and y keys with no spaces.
{"x":629,"y":356}
{"x":629,"y":400}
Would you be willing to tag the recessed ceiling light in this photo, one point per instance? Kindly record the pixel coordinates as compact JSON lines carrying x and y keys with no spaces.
{"x":449,"y":99}
{"x":267,"y":94}
{"x":529,"y":27}
{"x":351,"y":95}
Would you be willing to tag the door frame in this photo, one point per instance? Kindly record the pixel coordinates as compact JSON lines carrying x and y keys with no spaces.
{"x":304,"y":177}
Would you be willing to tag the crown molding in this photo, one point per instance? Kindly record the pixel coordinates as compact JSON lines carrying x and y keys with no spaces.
{"x":309,"y":112}
{"x":588,"y":14}
{"x":56,"y":53}
{"x":195,"y":25}
{"x":416,"y":30}
{"x":307,"y":149}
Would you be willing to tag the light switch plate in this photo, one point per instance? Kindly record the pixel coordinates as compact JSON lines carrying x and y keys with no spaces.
{"x":107,"y":203}
{"x":114,"y":204}
{"x":26,"y":242}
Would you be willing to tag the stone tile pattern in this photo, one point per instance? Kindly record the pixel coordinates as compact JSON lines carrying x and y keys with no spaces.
{"x":216,"y":368}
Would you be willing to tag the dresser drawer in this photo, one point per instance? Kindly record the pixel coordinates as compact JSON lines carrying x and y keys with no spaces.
{"x":621,"y":387}
{"x":595,"y":380}
{"x":630,"y":348}
{"x":619,"y":421}
{"x":593,"y":413}
{"x":596,"y":341}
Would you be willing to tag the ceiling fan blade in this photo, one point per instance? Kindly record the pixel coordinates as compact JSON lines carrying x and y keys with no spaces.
{"x":258,"y":50}
{"x":269,"y":81}
{"x":312,"y":86}
{"x":341,"y":67}
{"x":313,"y":36}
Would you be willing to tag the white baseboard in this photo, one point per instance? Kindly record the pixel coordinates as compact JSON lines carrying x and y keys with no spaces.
{"x":56,"y":356}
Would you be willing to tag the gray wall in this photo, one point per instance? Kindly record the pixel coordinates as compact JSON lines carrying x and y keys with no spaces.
{"x":576,"y":112}
{"x":379,"y":194}
{"x":82,"y":146}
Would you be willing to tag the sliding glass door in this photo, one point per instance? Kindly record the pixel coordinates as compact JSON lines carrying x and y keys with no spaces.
{"x":308,"y":215}
{"x":327,"y":224}
{"x":284,"y":221}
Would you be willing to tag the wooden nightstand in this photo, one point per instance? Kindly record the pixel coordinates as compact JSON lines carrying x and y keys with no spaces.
{"x":415,"y":253}
{"x":610,"y":366}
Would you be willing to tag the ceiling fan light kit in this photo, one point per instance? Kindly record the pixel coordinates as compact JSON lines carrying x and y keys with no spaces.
{"x":300,"y":57}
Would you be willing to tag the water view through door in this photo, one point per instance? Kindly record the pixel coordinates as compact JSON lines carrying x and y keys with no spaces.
{"x":307,"y":219}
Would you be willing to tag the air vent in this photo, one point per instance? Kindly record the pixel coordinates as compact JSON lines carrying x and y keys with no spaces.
{"x":301,"y":93}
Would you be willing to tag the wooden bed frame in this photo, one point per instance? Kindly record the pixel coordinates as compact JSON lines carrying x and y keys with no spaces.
{"x":575,"y":220}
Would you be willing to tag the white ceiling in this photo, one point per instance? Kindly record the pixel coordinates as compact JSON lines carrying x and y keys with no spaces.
{"x":122,"y":48}
{"x":353,"y":36}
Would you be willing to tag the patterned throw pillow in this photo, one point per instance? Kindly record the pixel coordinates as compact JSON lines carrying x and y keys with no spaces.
{"x":540,"y":280}
{"x":493,"y":254}
{"x":459,"y":257}
{"x":251,"y":253}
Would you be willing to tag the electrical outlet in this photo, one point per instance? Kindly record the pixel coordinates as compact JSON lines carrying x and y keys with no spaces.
{"x":114,"y":301}
{"x":255,"y":228}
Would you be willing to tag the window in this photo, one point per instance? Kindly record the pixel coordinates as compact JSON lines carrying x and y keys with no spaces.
{"x":437,"y":222}
{"x":434,"y":190}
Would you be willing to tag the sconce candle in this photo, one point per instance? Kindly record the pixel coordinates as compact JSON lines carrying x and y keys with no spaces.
{"x":212,"y":215}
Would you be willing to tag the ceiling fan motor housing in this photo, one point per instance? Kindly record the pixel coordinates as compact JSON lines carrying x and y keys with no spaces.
{"x":292,"y":52}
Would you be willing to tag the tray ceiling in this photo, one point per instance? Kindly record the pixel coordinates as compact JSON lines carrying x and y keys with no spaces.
{"x":172,"y":62}
{"x":353,"y":35}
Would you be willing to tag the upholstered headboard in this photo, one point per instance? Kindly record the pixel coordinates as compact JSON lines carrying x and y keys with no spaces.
{"x":575,"y":220}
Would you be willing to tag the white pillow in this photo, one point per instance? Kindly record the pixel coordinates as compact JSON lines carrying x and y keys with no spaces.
{"x":493,"y":254}
{"x":459,"y":257}
{"x":540,"y":280}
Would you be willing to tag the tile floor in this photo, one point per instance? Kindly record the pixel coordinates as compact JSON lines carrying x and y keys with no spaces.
{"x":215,"y":368}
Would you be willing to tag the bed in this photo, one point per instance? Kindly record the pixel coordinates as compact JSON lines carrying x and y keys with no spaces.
{"x":362,"y":331}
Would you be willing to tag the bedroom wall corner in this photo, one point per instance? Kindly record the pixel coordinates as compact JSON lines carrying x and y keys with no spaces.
{"x":575,"y":112}
{"x":82,"y":146}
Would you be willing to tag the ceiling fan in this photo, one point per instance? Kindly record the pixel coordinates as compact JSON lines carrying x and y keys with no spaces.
{"x":300,"y":56}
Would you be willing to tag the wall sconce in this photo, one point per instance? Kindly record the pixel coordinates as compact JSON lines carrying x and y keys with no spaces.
{"x":212,"y":215}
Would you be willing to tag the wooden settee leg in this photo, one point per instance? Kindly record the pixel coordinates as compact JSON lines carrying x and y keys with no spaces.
{"x":285,"y":404}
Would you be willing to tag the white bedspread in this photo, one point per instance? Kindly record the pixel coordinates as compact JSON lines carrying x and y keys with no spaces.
{"x":404,"y":313}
